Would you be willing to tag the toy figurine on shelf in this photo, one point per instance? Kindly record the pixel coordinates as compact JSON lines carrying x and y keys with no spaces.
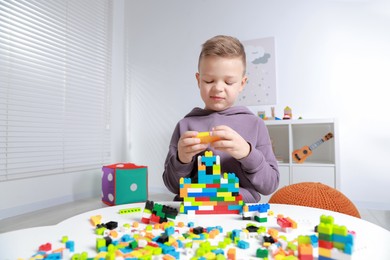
{"x":287,"y":113}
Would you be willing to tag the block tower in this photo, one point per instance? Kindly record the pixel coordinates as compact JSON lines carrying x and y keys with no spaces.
{"x":213,"y":194}
{"x":334,"y":242}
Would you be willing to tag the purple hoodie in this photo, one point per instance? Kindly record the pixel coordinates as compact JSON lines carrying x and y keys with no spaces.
{"x":258,"y":172}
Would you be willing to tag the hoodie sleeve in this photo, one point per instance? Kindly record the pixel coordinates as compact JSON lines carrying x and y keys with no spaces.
{"x":260,"y":166}
{"x":173,"y":168}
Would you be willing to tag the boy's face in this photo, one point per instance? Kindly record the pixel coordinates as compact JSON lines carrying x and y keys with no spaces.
{"x":220,"y":81}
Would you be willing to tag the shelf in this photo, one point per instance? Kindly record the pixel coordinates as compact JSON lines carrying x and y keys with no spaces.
{"x":290,"y":135}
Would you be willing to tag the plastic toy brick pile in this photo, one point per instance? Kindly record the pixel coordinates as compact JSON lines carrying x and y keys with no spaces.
{"x":159,"y":236}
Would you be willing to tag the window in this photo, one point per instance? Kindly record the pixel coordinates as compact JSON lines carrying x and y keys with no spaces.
{"x":55,"y":76}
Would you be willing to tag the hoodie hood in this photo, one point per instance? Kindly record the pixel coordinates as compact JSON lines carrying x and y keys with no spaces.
{"x":227,"y":112}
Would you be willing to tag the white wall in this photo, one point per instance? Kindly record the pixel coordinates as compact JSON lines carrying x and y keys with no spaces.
{"x":332,"y":59}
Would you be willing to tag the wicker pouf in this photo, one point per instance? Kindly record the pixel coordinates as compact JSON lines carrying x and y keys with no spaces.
{"x":316,"y":195}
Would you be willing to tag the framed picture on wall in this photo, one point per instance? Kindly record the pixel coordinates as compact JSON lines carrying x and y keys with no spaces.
{"x":261,"y":85}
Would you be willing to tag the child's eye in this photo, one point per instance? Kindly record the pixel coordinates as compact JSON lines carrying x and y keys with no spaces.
{"x":229,"y":83}
{"x":208,"y":82}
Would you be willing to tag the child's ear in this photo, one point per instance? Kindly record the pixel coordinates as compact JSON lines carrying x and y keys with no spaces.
{"x":243,"y":83}
{"x":197,"y":75}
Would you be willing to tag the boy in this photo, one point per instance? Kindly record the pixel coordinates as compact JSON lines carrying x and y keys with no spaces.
{"x":244,"y":146}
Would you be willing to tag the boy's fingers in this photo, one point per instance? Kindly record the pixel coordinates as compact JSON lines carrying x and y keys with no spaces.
{"x":189,"y":134}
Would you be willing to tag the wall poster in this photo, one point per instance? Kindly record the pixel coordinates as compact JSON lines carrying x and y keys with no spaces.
{"x":261,"y":85}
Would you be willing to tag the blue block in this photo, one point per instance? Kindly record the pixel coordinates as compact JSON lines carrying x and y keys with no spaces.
{"x":262,"y":208}
{"x":208,"y":179}
{"x":314,"y":240}
{"x":348,"y":249}
{"x":70,"y":245}
{"x":235,"y":233}
{"x":218,"y":251}
{"x":320,"y":257}
{"x":243,"y":244}
{"x":169,"y":231}
{"x":191,"y":207}
{"x":201,"y":194}
{"x":166,"y":249}
{"x":187,"y":180}
{"x":54,"y":256}
{"x":213,"y":190}
{"x":235,"y":207}
{"x":209,"y":161}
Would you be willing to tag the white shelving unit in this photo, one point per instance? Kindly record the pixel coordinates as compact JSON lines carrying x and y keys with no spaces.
{"x":290,"y":135}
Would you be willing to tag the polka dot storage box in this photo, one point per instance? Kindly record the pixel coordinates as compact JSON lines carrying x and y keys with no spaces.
{"x":124,"y":183}
{"x":315,"y":195}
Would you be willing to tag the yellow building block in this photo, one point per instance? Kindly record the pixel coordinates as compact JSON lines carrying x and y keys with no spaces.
{"x":205,"y":138}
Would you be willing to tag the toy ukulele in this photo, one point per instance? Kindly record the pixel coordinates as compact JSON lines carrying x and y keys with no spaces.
{"x":300,"y":155}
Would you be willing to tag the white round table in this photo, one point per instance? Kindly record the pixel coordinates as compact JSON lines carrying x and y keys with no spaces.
{"x":371,"y":242}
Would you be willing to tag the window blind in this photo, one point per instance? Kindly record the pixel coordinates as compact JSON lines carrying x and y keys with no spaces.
{"x":55,"y":74}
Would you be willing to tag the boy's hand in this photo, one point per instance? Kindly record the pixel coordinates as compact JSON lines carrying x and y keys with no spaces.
{"x":231,"y":142}
{"x":188,"y":146}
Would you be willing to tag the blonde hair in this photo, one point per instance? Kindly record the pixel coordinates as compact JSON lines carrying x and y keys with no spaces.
{"x":223,"y":46}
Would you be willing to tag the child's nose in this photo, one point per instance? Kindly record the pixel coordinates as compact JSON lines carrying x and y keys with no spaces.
{"x":219,"y":85}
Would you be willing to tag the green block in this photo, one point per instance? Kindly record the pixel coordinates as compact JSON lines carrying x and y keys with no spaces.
{"x":84,"y":256}
{"x":262,"y":229}
{"x":133,"y":244}
{"x":100,"y":242}
{"x":324,"y":228}
{"x":292,"y":246}
{"x":100,"y":231}
{"x":222,"y":244}
{"x":261,"y":253}
{"x":340,"y":230}
{"x":339,"y":245}
{"x":217,"y":199}
{"x":304,"y":240}
{"x":220,"y":257}
{"x":200,"y":252}
{"x":110,"y":256}
{"x":261,"y":220}
{"x":326,"y":219}
{"x":325,"y":237}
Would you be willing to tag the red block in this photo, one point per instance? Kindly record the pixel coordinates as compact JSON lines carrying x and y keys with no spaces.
{"x":202,"y":199}
{"x":46,"y":247}
{"x":145,"y":220}
{"x":215,"y":185}
{"x":154,"y":219}
{"x":325,"y":244}
{"x":283,"y":222}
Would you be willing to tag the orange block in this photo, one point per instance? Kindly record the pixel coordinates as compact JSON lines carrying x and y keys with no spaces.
{"x":180,"y":224}
{"x":213,"y":233}
{"x":231,"y":254}
{"x":113,"y":233}
{"x":95,"y":220}
{"x":205,"y":137}
{"x":168,"y":257}
{"x":273,"y":232}
{"x":305,"y":249}
{"x":294,"y":224}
